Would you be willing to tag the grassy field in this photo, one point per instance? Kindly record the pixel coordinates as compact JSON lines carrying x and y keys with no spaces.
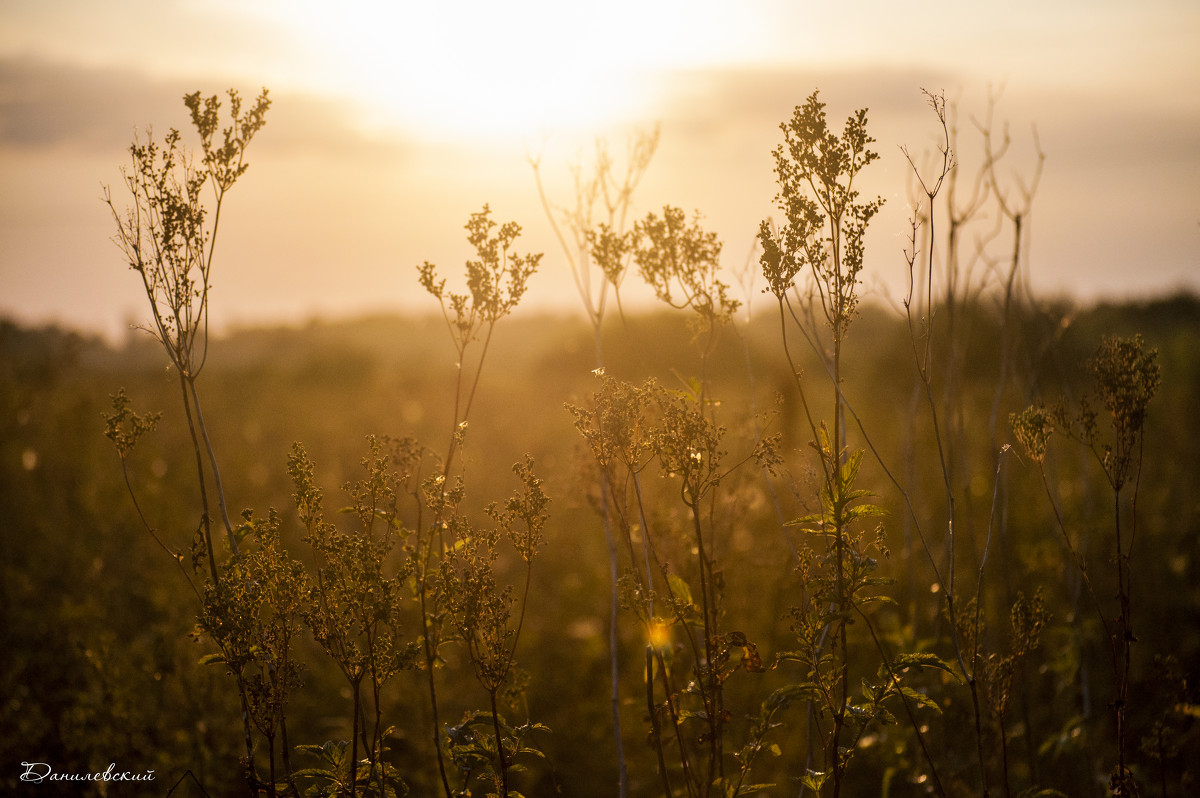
{"x":100,"y":622}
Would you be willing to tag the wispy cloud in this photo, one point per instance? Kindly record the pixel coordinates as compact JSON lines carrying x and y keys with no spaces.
{"x":55,"y":105}
{"x":48,"y":104}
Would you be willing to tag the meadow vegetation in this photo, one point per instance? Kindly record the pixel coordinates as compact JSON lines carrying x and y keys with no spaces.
{"x":828,"y":547}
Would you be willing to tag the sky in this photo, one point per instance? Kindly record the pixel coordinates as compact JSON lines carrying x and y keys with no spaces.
{"x":393,"y":121}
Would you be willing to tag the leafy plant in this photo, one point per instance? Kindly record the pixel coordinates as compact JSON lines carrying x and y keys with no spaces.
{"x":768,"y":655}
{"x":1126,"y":377}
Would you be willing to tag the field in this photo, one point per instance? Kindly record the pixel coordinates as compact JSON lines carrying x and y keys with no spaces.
{"x":828,"y":548}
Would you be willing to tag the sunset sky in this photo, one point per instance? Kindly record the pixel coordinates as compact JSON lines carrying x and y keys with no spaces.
{"x":393,"y":122}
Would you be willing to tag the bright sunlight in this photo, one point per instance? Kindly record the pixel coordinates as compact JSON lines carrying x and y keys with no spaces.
{"x":493,"y":71}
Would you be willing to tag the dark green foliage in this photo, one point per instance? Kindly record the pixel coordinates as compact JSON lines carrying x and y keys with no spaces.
{"x":859,"y":592}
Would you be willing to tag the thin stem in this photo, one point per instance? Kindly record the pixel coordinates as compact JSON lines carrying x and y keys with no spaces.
{"x":137,"y":506}
{"x":712,"y":696}
{"x":430,"y":662}
{"x":887,"y":664}
{"x":205,"y":521}
{"x":655,"y":724}
{"x":1080,"y":563}
{"x":354,"y":741}
{"x":212,"y":459}
{"x":503,"y":775}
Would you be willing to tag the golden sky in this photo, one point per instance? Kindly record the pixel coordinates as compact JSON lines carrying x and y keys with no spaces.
{"x":393,"y":121}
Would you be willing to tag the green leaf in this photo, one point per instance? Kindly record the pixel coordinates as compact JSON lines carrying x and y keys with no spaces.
{"x":850,"y":468}
{"x":884,"y":716}
{"x":925,"y":660}
{"x":921,"y":699}
{"x":814,"y":780}
{"x":680,"y":590}
{"x":864,"y":511}
{"x":212,"y":659}
{"x":784,"y":696}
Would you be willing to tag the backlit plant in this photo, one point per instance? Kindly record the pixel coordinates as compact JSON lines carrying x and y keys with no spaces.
{"x":1125,"y":376}
{"x":774,"y":643}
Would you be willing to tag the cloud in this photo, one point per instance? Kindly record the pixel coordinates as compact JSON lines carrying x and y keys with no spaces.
{"x":750,"y":103}
{"x":48,"y":105}
{"x":1118,"y":185}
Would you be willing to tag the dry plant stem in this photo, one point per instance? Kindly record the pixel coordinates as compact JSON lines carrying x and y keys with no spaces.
{"x":655,"y":724}
{"x":1124,"y":556}
{"x":376,"y":742}
{"x":1017,"y":215}
{"x":652,"y":655}
{"x":712,"y":695}
{"x":1076,"y":558}
{"x":579,"y":222}
{"x":613,"y":638}
{"x":795,"y":370}
{"x":429,"y":649}
{"x":923,"y":361}
{"x":355,"y":686}
{"x":617,"y":196}
{"x":958,"y":216}
{"x":205,"y":519}
{"x":614,"y":662}
{"x":1124,"y":581}
{"x":650,"y":555}
{"x":212,"y":459}
{"x":428,"y":644}
{"x":646,"y":582}
{"x":837,"y":489}
{"x":1122,"y":663}
{"x":287,"y":757}
{"x":647,"y":542}
{"x":1004,"y":450}
{"x":493,"y":688}
{"x":923,"y":369}
{"x":137,"y":506}
{"x":499,"y":744}
{"x":424,"y":551}
{"x":746,"y":359}
{"x":689,"y":778}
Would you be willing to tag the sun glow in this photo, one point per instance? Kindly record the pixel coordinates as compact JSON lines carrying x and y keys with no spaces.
{"x":659,"y":634}
{"x":487,"y":70}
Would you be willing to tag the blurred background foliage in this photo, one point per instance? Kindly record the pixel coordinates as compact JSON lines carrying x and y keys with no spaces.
{"x":98,"y":665}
